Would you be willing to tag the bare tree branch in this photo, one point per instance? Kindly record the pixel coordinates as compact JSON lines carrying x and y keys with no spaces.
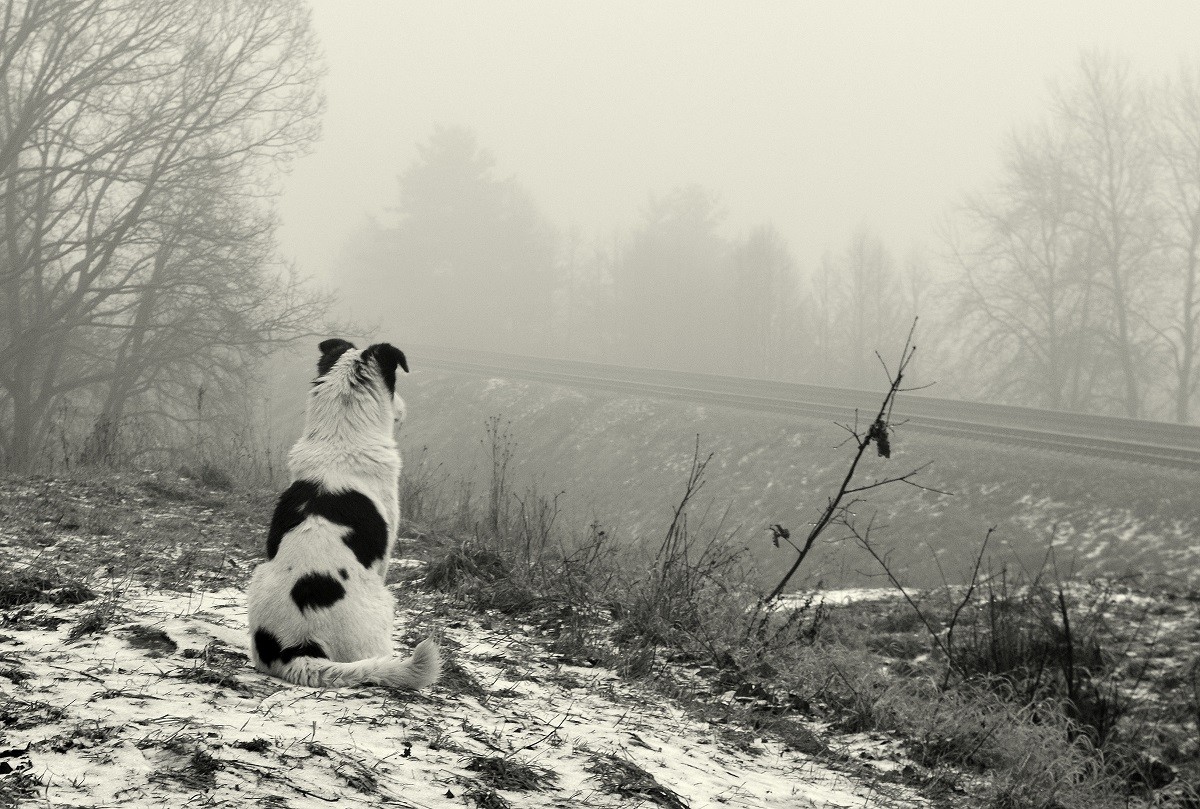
{"x":878,"y":434}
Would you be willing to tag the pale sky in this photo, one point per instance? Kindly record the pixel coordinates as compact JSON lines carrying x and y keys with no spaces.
{"x":818,"y":117}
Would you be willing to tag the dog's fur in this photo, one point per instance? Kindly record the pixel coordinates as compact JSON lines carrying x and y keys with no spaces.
{"x":320,"y":614}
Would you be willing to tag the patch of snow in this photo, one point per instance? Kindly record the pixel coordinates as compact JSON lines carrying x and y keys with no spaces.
{"x":841,"y":598}
{"x":127,"y":725}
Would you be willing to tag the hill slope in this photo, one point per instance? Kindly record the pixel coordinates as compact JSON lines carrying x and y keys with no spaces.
{"x":622,"y":461}
{"x":124,"y":681}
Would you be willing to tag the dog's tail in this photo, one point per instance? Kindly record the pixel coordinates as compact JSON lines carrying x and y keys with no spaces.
{"x":417,"y":671}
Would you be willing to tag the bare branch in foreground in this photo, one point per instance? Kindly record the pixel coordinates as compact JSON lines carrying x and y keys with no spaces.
{"x":879,"y":435}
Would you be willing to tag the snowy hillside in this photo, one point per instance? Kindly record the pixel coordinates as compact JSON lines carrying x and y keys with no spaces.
{"x":122,"y":687}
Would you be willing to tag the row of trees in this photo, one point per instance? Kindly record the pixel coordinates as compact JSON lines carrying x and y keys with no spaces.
{"x":140,"y":146}
{"x":140,"y":141}
{"x":1073,"y":282}
{"x":471,"y":261}
{"x":1078,"y":274}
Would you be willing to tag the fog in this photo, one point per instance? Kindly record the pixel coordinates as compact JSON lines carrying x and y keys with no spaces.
{"x":998,"y":200}
{"x":768,"y":189}
{"x":818,"y":117}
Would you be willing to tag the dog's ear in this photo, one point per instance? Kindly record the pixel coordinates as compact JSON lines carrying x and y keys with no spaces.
{"x":331,"y":350}
{"x":389,"y":358}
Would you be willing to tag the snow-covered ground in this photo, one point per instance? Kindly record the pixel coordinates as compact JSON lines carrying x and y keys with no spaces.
{"x":161,"y":708}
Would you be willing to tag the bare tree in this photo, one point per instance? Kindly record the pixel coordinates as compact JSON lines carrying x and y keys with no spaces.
{"x":1028,"y":295}
{"x":823,"y":304}
{"x":466,"y":237}
{"x":854,"y":301}
{"x":584,"y":298}
{"x":1063,"y":284}
{"x":1110,"y":162}
{"x":763,"y":304}
{"x":130,"y":132}
{"x":213,"y":300}
{"x":1179,"y":196}
{"x":670,"y":283}
{"x":872,"y":289}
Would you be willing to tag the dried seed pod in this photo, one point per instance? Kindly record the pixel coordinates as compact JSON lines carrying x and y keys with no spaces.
{"x":879,"y":434}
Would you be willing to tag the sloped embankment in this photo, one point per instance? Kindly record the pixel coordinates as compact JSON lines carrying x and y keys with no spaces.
{"x":622,"y":460}
{"x":124,"y":681}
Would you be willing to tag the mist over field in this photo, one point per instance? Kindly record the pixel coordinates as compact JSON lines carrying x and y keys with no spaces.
{"x":771,"y":191}
{"x":751,"y":189}
{"x":802,"y":395}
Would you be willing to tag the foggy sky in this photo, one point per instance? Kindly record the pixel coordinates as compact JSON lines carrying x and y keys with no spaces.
{"x":818,"y":117}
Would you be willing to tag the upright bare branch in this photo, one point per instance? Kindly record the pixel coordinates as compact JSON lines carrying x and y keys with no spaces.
{"x":878,"y":433}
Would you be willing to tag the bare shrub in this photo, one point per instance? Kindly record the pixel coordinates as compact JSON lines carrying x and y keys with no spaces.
{"x":1019,"y":703}
{"x":421,"y":487}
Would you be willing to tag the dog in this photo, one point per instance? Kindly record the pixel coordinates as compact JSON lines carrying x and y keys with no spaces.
{"x":319,"y":612}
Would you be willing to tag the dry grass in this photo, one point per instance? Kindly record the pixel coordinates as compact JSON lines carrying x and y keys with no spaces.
{"x":72,"y":527}
{"x":1021,"y":681}
{"x":680,"y":611}
{"x":186,"y":761}
{"x":620,"y":776}
{"x":503,"y":772}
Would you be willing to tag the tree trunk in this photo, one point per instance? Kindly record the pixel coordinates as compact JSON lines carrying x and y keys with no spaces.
{"x":101,"y":445}
{"x":1124,"y":344}
{"x":23,"y":438}
{"x":1187,"y":338}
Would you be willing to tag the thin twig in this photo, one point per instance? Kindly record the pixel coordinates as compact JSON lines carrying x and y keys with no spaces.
{"x":834,"y":509}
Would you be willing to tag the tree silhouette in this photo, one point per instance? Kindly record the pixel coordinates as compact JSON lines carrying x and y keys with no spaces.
{"x":140,"y":143}
{"x":470,"y":261}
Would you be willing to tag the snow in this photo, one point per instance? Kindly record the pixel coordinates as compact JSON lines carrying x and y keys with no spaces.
{"x":148,"y":727}
{"x":840,"y":597}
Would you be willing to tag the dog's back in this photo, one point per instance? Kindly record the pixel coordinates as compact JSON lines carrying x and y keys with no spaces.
{"x":320,"y":613}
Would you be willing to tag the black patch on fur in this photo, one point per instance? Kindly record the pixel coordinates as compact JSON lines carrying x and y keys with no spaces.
{"x":331,"y":350}
{"x":267,"y":646}
{"x":368,"y":531}
{"x":314,"y":591}
{"x":305,"y":498}
{"x":290,"y":511}
{"x":388,"y":358}
{"x":342,"y":572}
{"x":307,"y":649}
{"x":269,"y":650}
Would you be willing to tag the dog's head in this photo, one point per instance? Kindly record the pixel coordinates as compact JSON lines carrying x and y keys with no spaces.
{"x":358,"y":383}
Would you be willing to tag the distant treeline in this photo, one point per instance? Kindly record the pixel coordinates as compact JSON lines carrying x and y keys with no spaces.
{"x":141,"y":142}
{"x":1072,"y":282}
{"x":471,"y":261}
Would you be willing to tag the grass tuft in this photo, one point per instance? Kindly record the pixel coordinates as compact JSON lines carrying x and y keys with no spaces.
{"x":620,"y":776}
{"x":465,"y":563}
{"x":20,"y":714}
{"x":193,"y":766}
{"x":487,"y":798}
{"x":92,"y":622}
{"x":214,"y":477}
{"x":216,"y":665}
{"x":155,"y":642}
{"x":47,"y":587}
{"x":501,"y":772}
{"x":457,"y":679}
{"x":17,"y":786}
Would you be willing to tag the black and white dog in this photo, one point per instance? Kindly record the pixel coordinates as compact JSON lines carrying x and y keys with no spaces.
{"x":320,"y":614}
